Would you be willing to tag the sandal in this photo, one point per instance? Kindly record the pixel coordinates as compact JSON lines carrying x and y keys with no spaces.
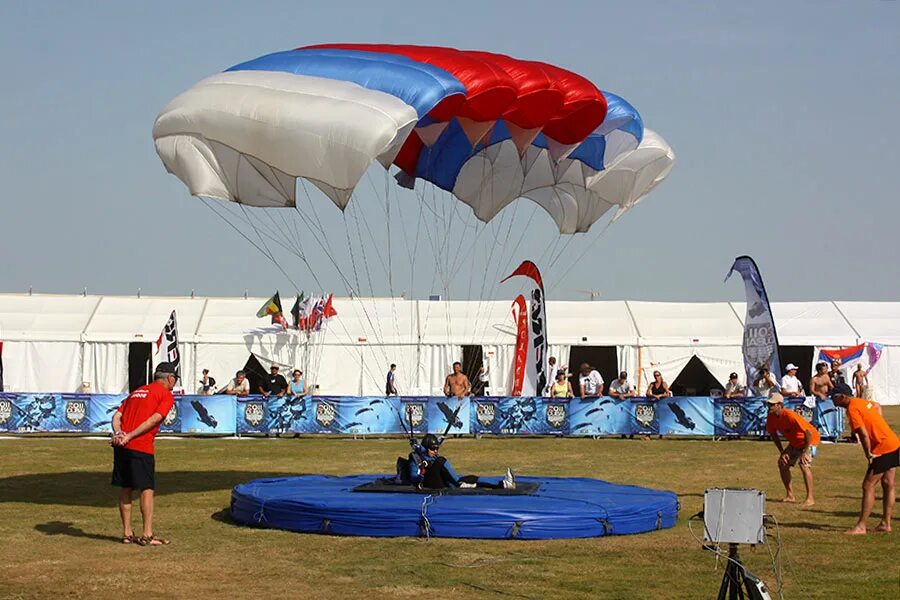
{"x":129,"y":539}
{"x":152,"y":540}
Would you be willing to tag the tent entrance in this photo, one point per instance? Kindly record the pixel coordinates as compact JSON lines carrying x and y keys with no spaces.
{"x":139,"y":364}
{"x":802,"y":356}
{"x":255,"y":372}
{"x":472,"y":361}
{"x":694,"y":380}
{"x":603,"y":358}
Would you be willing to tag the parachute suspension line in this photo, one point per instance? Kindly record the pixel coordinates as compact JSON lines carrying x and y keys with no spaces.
{"x":268,"y":252}
{"x":588,"y":247}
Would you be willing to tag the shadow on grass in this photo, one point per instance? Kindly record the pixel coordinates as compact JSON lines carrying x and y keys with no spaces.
{"x":94,"y":489}
{"x":64,"y":528}
{"x":814,"y":526}
{"x":223,"y":516}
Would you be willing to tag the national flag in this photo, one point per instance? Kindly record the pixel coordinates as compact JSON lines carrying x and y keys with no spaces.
{"x":271,"y":307}
{"x":167,"y":345}
{"x":328,"y":311}
{"x":295,"y":310}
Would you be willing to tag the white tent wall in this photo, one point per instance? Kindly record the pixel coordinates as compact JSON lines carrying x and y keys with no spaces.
{"x":629,"y":358}
{"x":435,"y":363}
{"x":41,"y":366}
{"x":884,"y":379}
{"x":222,"y":360}
{"x":671,"y":360}
{"x":105,"y":367}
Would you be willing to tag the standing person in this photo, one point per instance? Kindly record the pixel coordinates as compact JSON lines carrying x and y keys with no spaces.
{"x":562,"y":387}
{"x":658,"y":388}
{"x":837,"y":376}
{"x":275,"y":383}
{"x":820,"y":384}
{"x":734,"y":388}
{"x":481,"y":386}
{"x":590,"y":382}
{"x":134,"y":427}
{"x":801,"y":437}
{"x":551,"y":373}
{"x":457,"y":384}
{"x":882,"y":449}
{"x":207,"y":384}
{"x":765,"y":384}
{"x":390,"y":385}
{"x":298,"y":386}
{"x":790,"y":385}
{"x":860,"y":381}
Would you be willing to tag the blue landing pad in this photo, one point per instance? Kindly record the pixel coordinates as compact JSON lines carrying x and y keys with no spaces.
{"x":562,"y":507}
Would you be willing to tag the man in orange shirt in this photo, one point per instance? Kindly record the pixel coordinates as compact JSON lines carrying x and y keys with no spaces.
{"x":882,"y":449}
{"x":135,"y":425}
{"x":801,"y":437}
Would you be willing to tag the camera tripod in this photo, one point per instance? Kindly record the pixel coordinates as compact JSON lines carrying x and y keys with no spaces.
{"x":737,"y":579}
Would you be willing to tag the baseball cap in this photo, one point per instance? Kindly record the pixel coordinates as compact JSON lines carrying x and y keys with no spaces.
{"x":165,"y":368}
{"x":775,"y":398}
{"x":790,"y":367}
{"x":733,"y":376}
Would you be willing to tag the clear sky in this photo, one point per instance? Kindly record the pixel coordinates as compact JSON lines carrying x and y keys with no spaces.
{"x":784,"y":116}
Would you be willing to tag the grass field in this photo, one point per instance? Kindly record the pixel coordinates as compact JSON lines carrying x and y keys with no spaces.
{"x":59,"y":526}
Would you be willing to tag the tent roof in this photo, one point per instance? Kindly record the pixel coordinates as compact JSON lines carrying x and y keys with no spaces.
{"x":395,"y":321}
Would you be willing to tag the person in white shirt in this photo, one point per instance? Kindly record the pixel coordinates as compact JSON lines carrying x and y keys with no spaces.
{"x":734,"y":388}
{"x":239,"y":386}
{"x":621,"y":388}
{"x":551,"y":373}
{"x":590,"y":382}
{"x":790,"y":385}
{"x":765,"y":385}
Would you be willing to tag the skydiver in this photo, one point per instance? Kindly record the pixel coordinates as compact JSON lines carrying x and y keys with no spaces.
{"x":428,"y":470}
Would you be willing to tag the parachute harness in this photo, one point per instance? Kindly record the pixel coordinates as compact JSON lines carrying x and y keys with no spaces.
{"x":424,"y":523}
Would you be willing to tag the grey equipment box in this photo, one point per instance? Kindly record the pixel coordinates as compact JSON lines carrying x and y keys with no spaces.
{"x":734,"y":516}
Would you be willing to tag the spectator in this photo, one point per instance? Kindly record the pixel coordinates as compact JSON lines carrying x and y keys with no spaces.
{"x":590,"y":382}
{"x":552,"y":370}
{"x":860,"y":381}
{"x":734,"y":388}
{"x":457,"y":384}
{"x":390,"y":385}
{"x":275,"y":384}
{"x":837,"y":376}
{"x":134,"y":427}
{"x":207,"y":384}
{"x":765,"y":383}
{"x":790,"y":385}
{"x":658,"y":388}
{"x":298,"y":386}
{"x":820,"y":384}
{"x":621,"y":388}
{"x":562,"y":387}
{"x":239,"y":386}
{"x":481,"y":385}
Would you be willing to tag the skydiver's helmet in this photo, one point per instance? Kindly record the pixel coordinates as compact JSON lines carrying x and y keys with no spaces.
{"x":430,"y":442}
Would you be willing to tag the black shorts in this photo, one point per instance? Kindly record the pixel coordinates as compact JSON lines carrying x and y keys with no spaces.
{"x":885,"y":462}
{"x":133,"y":469}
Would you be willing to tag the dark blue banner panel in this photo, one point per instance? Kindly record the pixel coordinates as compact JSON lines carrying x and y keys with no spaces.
{"x":374,"y":415}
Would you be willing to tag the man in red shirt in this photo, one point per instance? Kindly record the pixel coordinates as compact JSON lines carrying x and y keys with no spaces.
{"x":882,"y":449}
{"x":135,"y":425}
{"x":801,"y":437}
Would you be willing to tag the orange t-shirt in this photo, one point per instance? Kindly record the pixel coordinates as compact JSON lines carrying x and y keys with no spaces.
{"x":791,"y":426}
{"x":864,"y":415}
{"x":139,"y":406}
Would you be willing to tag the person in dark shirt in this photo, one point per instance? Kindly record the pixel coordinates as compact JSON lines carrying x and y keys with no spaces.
{"x":275,"y":384}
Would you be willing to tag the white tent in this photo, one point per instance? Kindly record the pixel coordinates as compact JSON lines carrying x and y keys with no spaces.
{"x":54,"y":343}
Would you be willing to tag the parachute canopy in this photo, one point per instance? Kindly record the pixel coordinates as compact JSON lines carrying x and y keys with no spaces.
{"x":487,"y":128}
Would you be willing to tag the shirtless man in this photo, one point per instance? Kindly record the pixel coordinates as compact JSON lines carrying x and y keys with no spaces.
{"x":860,"y":381}
{"x":457,"y":384}
{"x":821,"y":384}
